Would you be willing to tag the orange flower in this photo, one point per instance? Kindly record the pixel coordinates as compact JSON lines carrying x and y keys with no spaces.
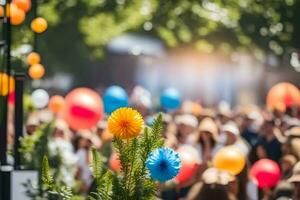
{"x":125,"y":123}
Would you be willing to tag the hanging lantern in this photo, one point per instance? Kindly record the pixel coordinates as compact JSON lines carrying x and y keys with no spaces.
{"x":24,"y":5}
{"x":33,"y":58}
{"x":39,"y":25}
{"x":17,"y":16}
{"x":36,"y":71}
{"x":1,"y":11}
{"x":7,"y":84}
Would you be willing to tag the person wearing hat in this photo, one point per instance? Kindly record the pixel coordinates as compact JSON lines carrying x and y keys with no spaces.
{"x":295,"y":180}
{"x":231,"y":136}
{"x":287,"y":163}
{"x":186,"y":125}
{"x":32,"y":124}
{"x":206,"y":139}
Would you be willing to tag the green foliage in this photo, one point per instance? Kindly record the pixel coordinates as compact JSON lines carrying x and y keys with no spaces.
{"x":53,"y":190}
{"x":133,"y":182}
{"x":33,"y":147}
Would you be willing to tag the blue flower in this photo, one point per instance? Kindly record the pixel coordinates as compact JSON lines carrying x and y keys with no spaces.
{"x":163,"y":164}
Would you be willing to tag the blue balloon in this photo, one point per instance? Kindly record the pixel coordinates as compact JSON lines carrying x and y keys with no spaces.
{"x":114,"y":97}
{"x":170,"y":99}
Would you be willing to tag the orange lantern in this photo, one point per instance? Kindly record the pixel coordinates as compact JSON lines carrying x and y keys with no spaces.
{"x":17,"y":16}
{"x":1,"y":11}
{"x":24,"y":5}
{"x":7,"y":84}
{"x":36,"y":71}
{"x":39,"y":25}
{"x":56,"y":104}
{"x":33,"y":58}
{"x":283,"y":95}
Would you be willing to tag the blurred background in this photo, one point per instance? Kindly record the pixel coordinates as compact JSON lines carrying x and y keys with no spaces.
{"x":210,"y":50}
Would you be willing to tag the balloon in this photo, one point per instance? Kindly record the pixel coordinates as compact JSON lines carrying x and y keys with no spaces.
{"x":39,"y":98}
{"x":230,"y":158}
{"x":170,"y":99}
{"x":11,"y":98}
{"x":283,"y":95}
{"x":24,"y":5}
{"x":17,"y":16}
{"x":83,"y":108}
{"x":39,"y":25}
{"x":7,"y":84}
{"x":114,"y":97}
{"x":36,"y":71}
{"x":114,"y":162}
{"x":33,"y":58}
{"x":189,"y":163}
{"x":266,"y":173}
{"x":56,"y":104}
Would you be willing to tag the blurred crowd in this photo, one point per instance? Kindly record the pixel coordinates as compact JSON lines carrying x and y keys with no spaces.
{"x":257,"y":132}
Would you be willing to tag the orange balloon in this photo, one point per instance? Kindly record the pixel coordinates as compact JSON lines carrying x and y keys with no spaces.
{"x":114,"y":162}
{"x":56,"y":104}
{"x":283,"y":95}
{"x":36,"y":71}
{"x":33,"y":58}
{"x":17,"y":16}
{"x":24,"y":5}
{"x":231,"y":159}
{"x":7,"y":84}
{"x":83,"y":109}
{"x":39,"y":25}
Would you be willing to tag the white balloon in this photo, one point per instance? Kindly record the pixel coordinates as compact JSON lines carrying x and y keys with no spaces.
{"x":39,"y":98}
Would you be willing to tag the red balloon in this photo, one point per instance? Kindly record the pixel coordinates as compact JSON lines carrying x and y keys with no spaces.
{"x":114,"y":162}
{"x":266,"y":173}
{"x":83,"y":108}
{"x":189,"y":163}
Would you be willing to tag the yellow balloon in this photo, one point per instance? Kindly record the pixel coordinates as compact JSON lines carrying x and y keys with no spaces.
{"x":231,"y":159}
{"x":7,"y":84}
{"x":39,"y":25}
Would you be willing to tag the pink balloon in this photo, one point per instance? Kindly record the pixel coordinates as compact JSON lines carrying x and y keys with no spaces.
{"x":266,"y":173}
{"x":83,"y":108}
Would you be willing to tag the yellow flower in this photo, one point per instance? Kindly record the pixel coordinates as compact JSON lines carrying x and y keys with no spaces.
{"x":125,"y":123}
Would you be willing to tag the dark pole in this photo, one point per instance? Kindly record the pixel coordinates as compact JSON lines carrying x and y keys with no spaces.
{"x":19,"y":80}
{"x":3,"y":124}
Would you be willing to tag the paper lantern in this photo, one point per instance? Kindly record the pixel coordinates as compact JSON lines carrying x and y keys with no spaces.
{"x":7,"y":84}
{"x":17,"y":16}
{"x":114,"y":97}
{"x":1,"y":11}
{"x":170,"y":99}
{"x":231,"y":159}
{"x":114,"y":162}
{"x":11,"y":98}
{"x":83,"y":109}
{"x":39,"y":25}
{"x":39,"y":98}
{"x":36,"y":71}
{"x":33,"y":58}
{"x":189,"y":163}
{"x":266,"y":173}
{"x":56,"y":104}
{"x":24,"y":5}
{"x":283,"y":95}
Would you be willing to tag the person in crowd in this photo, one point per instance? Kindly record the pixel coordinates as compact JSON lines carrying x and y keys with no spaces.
{"x":186,"y":126}
{"x":295,"y":180}
{"x":268,"y":146}
{"x":287,"y":163}
{"x":207,"y":139}
{"x":231,"y":136}
{"x":249,"y":132}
